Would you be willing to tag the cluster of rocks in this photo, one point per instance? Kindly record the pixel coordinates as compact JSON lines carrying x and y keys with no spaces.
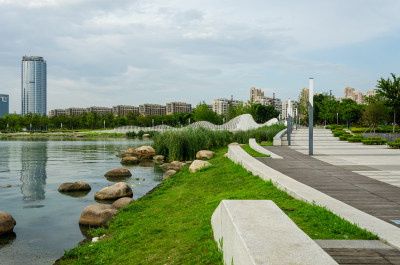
{"x":173,"y":167}
{"x":100,"y":213}
{"x":133,"y":156}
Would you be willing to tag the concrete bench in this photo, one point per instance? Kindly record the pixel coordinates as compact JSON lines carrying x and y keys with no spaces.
{"x":258,"y":232}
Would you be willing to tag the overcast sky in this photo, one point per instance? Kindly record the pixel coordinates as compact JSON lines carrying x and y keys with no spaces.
{"x":105,"y":53}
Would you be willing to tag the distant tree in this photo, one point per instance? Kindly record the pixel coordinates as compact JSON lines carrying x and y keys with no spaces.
{"x":202,"y":113}
{"x":390,"y":90}
{"x":262,"y":113}
{"x":350,"y":110}
{"x":375,"y":113}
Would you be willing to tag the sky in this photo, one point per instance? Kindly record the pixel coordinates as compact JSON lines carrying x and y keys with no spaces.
{"x":106,"y":53}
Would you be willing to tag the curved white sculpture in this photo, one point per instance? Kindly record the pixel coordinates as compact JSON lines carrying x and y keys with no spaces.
{"x":240,"y":123}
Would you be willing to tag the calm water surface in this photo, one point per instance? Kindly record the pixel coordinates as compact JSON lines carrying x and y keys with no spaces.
{"x":47,"y":221}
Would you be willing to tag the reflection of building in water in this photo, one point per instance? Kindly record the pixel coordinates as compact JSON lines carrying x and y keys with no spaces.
{"x":4,"y":158}
{"x":33,"y":173}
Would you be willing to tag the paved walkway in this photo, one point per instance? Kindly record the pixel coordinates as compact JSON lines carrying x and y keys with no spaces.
{"x":374,"y":197}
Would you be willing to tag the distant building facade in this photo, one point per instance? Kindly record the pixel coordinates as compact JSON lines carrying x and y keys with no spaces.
{"x":257,"y":97}
{"x":57,"y":112}
{"x":100,"y":110}
{"x":124,"y":109}
{"x":33,"y":85}
{"x":178,"y":107}
{"x":221,"y":105}
{"x":75,"y":111}
{"x":357,"y":96}
{"x":152,"y":109}
{"x":4,"y":105}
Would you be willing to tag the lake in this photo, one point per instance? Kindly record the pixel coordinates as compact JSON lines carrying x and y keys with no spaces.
{"x":31,"y":171}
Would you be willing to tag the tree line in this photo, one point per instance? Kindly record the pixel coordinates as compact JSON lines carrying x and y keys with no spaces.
{"x":92,"y":120}
{"x":379,"y":109}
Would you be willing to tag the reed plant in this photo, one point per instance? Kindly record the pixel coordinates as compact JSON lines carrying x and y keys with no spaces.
{"x":183,"y":144}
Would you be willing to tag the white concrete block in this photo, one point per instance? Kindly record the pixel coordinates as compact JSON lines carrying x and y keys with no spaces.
{"x":253,"y":144}
{"x":258,"y":232}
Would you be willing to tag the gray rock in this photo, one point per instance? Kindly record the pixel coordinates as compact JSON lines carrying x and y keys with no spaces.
{"x":122,"y":202}
{"x":198,"y":164}
{"x":204,"y":154}
{"x":97,"y":214}
{"x":7,"y":223}
{"x":76,"y":186}
{"x":158,"y":158}
{"x":146,"y":152}
{"x":129,"y":160}
{"x":176,"y":165}
{"x":118,"y":172}
{"x":116,"y":191}
{"x":169,"y":173}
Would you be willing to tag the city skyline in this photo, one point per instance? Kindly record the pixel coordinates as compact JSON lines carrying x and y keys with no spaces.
{"x":156,"y":52}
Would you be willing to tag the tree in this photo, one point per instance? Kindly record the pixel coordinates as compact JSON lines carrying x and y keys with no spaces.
{"x":390,"y":90}
{"x":350,"y":110}
{"x":262,"y":113}
{"x":202,"y":113}
{"x":375,"y":113}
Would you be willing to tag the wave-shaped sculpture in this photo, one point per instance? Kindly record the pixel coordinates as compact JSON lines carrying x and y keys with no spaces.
{"x":240,"y":123}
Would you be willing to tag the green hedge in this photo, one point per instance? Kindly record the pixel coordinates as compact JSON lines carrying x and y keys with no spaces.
{"x":394,"y":145}
{"x":355,"y":139}
{"x":374,"y":140}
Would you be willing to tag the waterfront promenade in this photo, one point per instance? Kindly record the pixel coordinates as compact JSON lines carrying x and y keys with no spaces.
{"x":364,"y":177}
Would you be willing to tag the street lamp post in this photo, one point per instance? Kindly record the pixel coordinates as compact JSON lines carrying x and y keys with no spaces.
{"x":311,"y":116}
{"x":104,"y":124}
{"x":61,"y":127}
{"x":337,"y":118}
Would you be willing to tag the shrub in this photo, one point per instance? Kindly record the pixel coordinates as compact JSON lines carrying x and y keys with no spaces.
{"x":374,"y":140}
{"x":394,"y":145}
{"x":345,"y":136}
{"x":355,"y":139}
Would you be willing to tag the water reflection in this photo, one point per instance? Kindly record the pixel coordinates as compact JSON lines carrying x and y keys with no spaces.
{"x":33,"y":172}
{"x":4,"y":158}
{"x":7,"y":239}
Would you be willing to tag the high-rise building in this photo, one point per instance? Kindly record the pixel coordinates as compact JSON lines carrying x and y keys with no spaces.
{"x":178,"y":107}
{"x":33,"y":85}
{"x":257,"y":97}
{"x":4,"y":105}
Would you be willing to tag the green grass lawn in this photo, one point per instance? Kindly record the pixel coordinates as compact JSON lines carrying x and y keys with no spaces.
{"x":253,"y":152}
{"x":173,"y":224}
{"x":267,"y":144}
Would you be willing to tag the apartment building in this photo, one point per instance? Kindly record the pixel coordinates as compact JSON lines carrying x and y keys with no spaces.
{"x":124,"y":109}
{"x":57,"y":112}
{"x":152,"y":109}
{"x":178,"y":107}
{"x":99,"y":110}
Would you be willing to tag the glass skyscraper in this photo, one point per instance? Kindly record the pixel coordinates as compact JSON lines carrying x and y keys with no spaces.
{"x":33,"y":85}
{"x":4,"y":107}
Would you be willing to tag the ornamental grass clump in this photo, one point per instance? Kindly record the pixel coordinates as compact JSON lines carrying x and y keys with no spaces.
{"x":182,"y":145}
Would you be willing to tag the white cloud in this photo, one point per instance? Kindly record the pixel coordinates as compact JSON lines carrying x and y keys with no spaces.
{"x":195,"y":50}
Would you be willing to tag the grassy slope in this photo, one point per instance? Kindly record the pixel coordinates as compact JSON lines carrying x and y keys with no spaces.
{"x":253,"y":152}
{"x":172,"y":225}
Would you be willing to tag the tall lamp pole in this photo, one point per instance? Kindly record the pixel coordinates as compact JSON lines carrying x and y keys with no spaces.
{"x":311,"y":117}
